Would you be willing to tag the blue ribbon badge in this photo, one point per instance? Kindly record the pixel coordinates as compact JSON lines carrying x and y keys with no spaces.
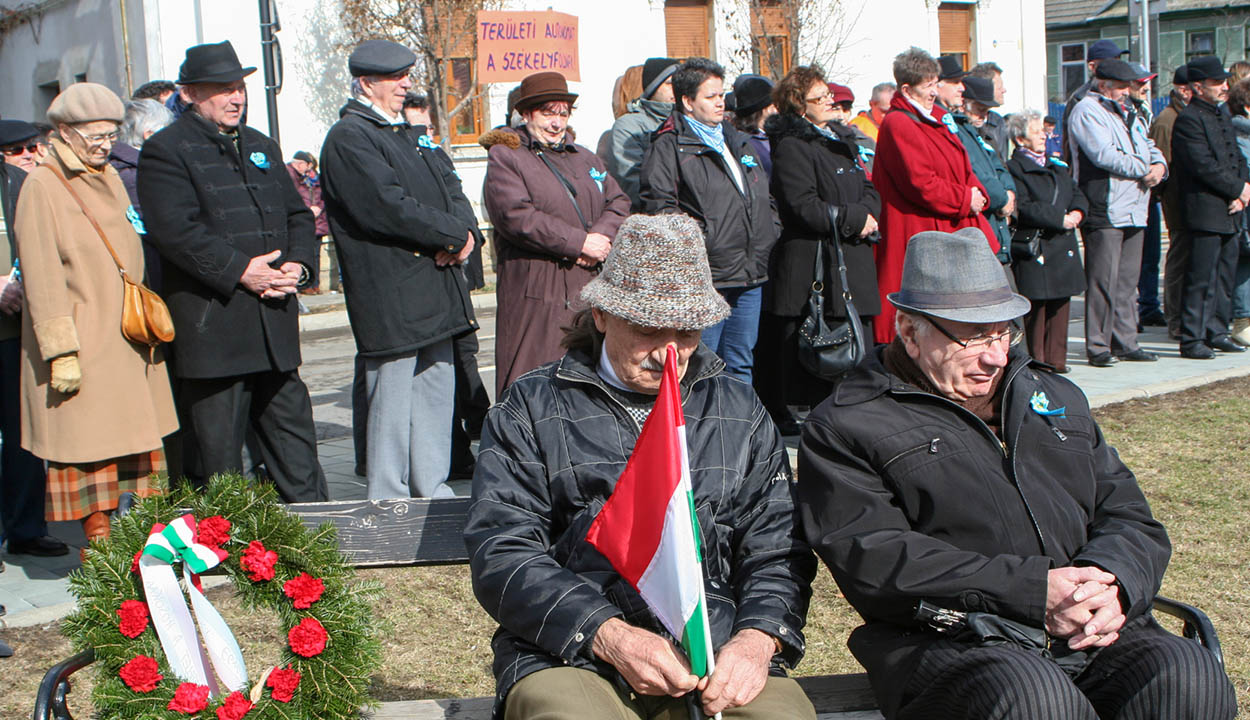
{"x":135,"y":221}
{"x":1041,"y":405}
{"x":949,"y":121}
{"x":260,"y":160}
{"x":748,"y":161}
{"x":1057,"y":162}
{"x":425,"y":142}
{"x":598,"y":176}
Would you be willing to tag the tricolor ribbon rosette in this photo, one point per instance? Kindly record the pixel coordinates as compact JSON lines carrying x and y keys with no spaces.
{"x":166,"y":546}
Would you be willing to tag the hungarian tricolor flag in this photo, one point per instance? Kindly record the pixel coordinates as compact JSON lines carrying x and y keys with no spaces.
{"x":648,"y":529}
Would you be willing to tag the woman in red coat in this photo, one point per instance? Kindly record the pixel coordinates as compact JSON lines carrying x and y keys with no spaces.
{"x":923,"y":175}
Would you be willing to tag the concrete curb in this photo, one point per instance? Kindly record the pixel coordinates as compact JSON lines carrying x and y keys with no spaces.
{"x":1169,"y":386}
{"x":56,"y":613}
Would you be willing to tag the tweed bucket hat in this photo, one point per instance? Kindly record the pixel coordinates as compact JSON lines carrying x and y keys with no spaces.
{"x":955,"y":276}
{"x":657,"y":276}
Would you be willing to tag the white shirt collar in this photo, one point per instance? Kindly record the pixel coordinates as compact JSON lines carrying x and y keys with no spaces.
{"x":607,"y":372}
{"x":389,"y":118}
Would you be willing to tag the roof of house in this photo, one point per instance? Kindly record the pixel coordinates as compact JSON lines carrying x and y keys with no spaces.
{"x":1067,"y":12}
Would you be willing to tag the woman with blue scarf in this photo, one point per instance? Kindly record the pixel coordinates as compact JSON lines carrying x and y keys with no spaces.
{"x":701,"y":166}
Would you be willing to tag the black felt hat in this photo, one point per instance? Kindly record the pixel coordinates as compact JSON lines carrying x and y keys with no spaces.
{"x":1181,"y":75}
{"x":752,"y":93}
{"x":380,"y":57}
{"x":16,"y":131}
{"x":1207,"y":67}
{"x":212,"y":63}
{"x":980,"y":90}
{"x":950,"y":68}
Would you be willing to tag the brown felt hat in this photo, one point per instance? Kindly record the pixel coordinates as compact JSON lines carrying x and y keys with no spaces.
{"x":542,"y":88}
{"x":86,"y":102}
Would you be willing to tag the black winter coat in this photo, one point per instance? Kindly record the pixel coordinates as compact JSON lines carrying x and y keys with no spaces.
{"x":552,"y":450}
{"x":810,"y":173}
{"x":1043,"y":196}
{"x":392,"y":207}
{"x":907,"y":496}
{"x":681,"y":174}
{"x":209,"y":208}
{"x":1208,"y":165}
{"x":11,"y":179}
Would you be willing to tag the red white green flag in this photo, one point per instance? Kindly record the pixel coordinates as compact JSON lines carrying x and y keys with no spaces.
{"x":648,"y":529}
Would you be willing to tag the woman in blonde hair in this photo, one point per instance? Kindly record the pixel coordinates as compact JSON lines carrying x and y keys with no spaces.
{"x":94,"y":405}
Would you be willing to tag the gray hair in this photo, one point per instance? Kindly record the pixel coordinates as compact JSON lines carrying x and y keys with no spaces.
{"x":357,"y":88}
{"x":917,"y":320}
{"x":142,"y":118}
{"x":1018,"y":123}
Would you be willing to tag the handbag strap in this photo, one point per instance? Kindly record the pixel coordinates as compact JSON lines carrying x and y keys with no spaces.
{"x":837,"y":248}
{"x":90,"y":218}
{"x":568,"y":188}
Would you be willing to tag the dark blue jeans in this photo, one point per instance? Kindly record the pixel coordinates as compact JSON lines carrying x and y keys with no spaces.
{"x":1151,"y":252}
{"x":733,"y":338}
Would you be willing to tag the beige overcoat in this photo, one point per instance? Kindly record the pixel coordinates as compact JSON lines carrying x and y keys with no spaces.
{"x":74,"y":304}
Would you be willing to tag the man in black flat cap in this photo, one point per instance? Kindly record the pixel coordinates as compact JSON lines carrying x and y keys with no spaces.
{"x":403,"y":228}
{"x":631,"y":133}
{"x":970,"y":118}
{"x":1098,"y":52}
{"x":238,"y":243}
{"x":1214,"y":191}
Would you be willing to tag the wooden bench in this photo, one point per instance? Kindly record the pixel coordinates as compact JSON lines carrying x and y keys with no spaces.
{"x":423,"y":533}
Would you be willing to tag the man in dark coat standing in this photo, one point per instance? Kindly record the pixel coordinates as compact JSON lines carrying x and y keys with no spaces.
{"x":1003,"y":558}
{"x":237,"y":242}
{"x":403,"y":227}
{"x":1212,"y":174}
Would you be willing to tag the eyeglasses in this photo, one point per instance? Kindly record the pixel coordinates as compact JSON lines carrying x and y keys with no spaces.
{"x":96,"y":140}
{"x":984,"y":341}
{"x":15,"y":150}
{"x":820,"y":99}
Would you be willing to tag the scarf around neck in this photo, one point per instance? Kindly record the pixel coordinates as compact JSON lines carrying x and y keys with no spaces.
{"x":712,"y":135}
{"x":1039,"y":158}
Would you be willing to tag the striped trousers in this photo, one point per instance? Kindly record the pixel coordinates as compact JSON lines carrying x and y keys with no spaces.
{"x":1148,"y":674}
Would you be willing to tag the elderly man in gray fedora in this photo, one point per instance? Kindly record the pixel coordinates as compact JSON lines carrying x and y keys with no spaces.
{"x":1003,"y":558}
{"x":575,"y":640}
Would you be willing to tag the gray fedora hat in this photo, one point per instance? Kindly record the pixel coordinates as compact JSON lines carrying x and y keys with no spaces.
{"x":955,"y":276}
{"x":657,"y":275}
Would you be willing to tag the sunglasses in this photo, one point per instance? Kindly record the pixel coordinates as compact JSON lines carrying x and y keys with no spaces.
{"x":15,"y":150}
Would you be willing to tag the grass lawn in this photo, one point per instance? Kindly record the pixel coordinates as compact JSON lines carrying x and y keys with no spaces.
{"x":1189,"y":451}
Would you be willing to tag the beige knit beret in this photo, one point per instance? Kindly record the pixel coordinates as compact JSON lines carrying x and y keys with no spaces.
{"x":86,"y":102}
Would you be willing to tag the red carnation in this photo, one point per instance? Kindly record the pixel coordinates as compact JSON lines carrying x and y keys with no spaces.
{"x":304,"y":589}
{"x":189,"y":698}
{"x":308,"y":638}
{"x":214,"y":531}
{"x":258,"y":562}
{"x":234,"y":708}
{"x":283,"y":683}
{"x":134,"y":615}
{"x":134,"y":564}
{"x":140,"y":674}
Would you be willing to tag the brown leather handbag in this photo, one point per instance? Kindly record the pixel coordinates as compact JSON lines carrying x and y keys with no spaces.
{"x":145,"y":317}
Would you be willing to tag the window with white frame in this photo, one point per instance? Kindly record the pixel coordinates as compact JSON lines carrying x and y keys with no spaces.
{"x":1072,"y":67}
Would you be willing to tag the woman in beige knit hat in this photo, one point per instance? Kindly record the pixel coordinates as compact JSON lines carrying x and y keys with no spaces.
{"x":94,"y":405}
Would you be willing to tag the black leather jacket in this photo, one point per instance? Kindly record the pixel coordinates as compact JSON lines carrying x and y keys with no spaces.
{"x":552,"y":450}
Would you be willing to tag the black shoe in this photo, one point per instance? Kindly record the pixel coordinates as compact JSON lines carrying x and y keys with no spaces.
{"x":1225,"y":344}
{"x":1104,"y":359}
{"x":5,"y":650}
{"x":1063,"y":370}
{"x":1154,"y":319}
{"x":1198,"y":352}
{"x":46,"y":546}
{"x":1139,"y":355}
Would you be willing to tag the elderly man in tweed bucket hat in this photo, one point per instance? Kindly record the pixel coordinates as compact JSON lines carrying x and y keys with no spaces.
{"x":575,"y":640}
{"x":1003,"y":558}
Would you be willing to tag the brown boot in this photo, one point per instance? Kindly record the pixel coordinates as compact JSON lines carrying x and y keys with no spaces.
{"x":95,"y":526}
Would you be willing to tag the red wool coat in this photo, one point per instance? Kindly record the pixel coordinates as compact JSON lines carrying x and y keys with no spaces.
{"x":925,"y":181}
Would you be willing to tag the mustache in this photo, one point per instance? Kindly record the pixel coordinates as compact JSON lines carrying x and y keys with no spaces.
{"x":649,"y":363}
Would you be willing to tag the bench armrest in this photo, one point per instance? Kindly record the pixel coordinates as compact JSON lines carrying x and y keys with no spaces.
{"x":1197,"y":625}
{"x":54,"y":689}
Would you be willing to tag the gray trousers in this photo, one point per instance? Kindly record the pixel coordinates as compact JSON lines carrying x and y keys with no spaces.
{"x":411,"y":398}
{"x":1112,"y":266}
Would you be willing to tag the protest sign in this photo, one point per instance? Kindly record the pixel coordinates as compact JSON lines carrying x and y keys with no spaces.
{"x":514,"y":44}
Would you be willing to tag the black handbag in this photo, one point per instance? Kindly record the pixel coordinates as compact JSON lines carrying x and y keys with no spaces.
{"x":1026,"y":244}
{"x":830,"y":351}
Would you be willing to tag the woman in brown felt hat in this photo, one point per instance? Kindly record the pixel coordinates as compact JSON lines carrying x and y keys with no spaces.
{"x":94,"y":405}
{"x":555,"y":210}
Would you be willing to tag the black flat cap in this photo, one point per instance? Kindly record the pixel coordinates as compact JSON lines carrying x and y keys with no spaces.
{"x":1207,"y":67}
{"x":654,"y":72}
{"x":753,"y":92}
{"x":16,"y":131}
{"x":380,"y":57}
{"x":1181,"y":76}
{"x":950,"y":68}
{"x":1115,"y":69}
{"x":980,"y":90}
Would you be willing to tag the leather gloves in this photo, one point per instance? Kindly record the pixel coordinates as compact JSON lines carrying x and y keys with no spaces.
{"x":66,"y":374}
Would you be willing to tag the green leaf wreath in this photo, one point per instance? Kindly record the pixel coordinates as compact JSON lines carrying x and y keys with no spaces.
{"x":274,"y":563}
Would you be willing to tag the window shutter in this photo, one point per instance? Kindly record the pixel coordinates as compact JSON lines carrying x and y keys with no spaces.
{"x":686,"y":28}
{"x":955,"y":30}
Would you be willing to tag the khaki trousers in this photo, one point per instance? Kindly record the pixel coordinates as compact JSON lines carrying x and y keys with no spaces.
{"x":574,"y":694}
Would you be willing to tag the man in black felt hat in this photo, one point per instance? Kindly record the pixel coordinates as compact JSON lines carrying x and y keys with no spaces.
{"x":403,"y":229}
{"x":1212,"y":176}
{"x":968,"y":120}
{"x":631,"y":133}
{"x":238,"y":243}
